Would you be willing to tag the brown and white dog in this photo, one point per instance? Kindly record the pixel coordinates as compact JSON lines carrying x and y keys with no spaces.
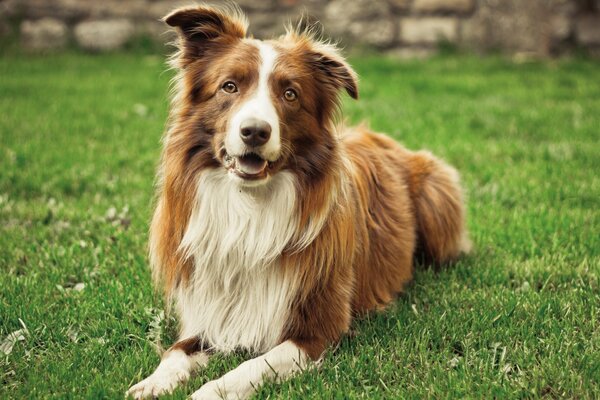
{"x":275,"y":226}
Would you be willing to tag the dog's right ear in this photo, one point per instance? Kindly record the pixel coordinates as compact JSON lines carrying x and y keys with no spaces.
{"x":200,"y":27}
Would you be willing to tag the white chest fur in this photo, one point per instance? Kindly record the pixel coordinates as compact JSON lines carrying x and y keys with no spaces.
{"x":238,"y":295}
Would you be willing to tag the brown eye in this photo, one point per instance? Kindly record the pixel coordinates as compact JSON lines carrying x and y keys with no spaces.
{"x":290,"y":95}
{"x":229,"y":87}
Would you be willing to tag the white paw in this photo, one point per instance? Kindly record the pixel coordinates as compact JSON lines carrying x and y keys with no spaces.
{"x":210,"y":391}
{"x":218,"y":390}
{"x":157,"y":384}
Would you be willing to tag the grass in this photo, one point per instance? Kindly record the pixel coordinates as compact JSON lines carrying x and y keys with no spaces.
{"x":520,"y":317}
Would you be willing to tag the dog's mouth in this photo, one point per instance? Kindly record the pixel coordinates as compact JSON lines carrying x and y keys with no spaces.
{"x":248,"y":166}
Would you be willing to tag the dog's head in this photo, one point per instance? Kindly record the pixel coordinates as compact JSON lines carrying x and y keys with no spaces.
{"x":255,"y":107}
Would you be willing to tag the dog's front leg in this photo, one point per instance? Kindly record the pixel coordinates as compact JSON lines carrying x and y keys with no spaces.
{"x":175,"y":367}
{"x":280,"y":362}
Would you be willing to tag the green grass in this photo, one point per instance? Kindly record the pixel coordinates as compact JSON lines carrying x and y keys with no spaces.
{"x":520,"y":317}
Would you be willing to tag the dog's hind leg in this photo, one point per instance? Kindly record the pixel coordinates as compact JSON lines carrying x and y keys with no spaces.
{"x":175,"y":367}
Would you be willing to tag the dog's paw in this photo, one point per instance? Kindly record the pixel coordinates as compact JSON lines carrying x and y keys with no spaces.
{"x":218,"y":390}
{"x":210,"y":391}
{"x":157,"y":384}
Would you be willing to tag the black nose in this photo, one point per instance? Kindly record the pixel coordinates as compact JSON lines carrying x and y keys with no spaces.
{"x":255,"y":132}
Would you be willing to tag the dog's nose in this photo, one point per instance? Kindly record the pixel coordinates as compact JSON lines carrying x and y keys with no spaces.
{"x":255,"y":132}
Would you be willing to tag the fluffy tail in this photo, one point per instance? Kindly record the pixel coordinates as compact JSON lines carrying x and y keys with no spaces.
{"x":439,"y":207}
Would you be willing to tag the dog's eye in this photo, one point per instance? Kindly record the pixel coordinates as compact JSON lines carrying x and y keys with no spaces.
{"x":290,"y":95}
{"x":229,"y":87}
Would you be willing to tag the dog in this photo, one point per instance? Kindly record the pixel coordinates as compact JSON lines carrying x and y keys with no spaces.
{"x":274,"y":224}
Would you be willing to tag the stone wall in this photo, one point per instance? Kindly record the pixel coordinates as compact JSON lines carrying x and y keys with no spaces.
{"x":405,"y":28}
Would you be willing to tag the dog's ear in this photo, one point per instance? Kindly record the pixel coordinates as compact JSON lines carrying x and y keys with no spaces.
{"x":327,"y":59}
{"x":200,"y":27}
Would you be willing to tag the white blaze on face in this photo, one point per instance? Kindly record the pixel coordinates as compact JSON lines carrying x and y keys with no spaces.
{"x":258,"y":105}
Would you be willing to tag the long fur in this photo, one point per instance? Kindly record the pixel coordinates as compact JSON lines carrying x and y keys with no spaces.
{"x":238,"y":295}
{"x":331,"y":231}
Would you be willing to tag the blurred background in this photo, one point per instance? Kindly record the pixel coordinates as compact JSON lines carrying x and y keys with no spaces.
{"x":401,"y":28}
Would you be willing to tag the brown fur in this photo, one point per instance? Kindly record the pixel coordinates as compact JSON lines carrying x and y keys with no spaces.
{"x":191,"y":345}
{"x":380,"y":202}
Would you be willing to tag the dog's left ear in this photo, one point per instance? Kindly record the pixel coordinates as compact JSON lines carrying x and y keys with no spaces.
{"x":327,"y":59}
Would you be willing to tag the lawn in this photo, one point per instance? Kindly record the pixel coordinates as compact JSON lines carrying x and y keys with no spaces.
{"x":519,"y":317}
